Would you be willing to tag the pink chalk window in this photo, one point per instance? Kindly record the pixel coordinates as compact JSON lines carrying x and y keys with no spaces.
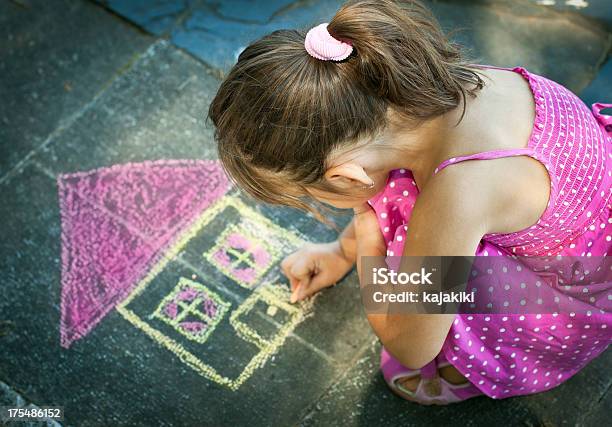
{"x":192,"y":309}
{"x":241,"y":256}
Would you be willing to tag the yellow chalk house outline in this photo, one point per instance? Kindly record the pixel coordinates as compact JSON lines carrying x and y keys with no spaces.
{"x":273,"y":295}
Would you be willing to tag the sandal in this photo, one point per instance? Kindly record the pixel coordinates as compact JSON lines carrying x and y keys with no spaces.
{"x":432,"y":389}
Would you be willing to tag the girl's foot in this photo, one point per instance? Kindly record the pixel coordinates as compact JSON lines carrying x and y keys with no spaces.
{"x":448,"y":373}
{"x":437,"y":383}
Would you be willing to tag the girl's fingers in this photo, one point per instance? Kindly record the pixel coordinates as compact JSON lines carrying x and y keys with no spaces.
{"x":302,"y":268}
{"x":316,"y":283}
{"x":296,"y":293}
{"x":286,"y":266}
{"x":294,"y":283}
{"x":302,"y":290}
{"x":305,"y":274}
{"x":287,"y":263}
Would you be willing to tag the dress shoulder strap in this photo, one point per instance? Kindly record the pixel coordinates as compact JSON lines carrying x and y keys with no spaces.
{"x":485,"y":155}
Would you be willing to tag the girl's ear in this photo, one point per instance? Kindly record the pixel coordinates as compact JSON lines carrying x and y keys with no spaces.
{"x":351,"y":172}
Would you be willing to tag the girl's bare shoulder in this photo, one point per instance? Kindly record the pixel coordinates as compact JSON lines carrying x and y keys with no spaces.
{"x":511,"y":192}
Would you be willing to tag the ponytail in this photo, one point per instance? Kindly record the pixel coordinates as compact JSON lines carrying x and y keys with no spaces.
{"x":403,"y":56}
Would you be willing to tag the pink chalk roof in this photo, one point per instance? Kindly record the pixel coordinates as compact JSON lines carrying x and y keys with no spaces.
{"x":116,"y":223}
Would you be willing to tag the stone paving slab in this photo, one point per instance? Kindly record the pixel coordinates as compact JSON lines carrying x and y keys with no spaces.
{"x":51,"y":66}
{"x":156,"y":16}
{"x":249,"y":10}
{"x":362,"y":398}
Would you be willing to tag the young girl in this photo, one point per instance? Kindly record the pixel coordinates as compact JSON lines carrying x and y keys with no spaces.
{"x":377,"y":111}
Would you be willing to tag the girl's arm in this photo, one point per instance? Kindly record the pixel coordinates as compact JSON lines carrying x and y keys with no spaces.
{"x":348,"y":242}
{"x":449,"y":218}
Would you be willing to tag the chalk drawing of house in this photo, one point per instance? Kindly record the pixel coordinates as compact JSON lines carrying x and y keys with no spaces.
{"x":188,"y":316}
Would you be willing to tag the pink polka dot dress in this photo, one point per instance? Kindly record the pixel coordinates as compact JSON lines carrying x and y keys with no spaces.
{"x":506,"y":355}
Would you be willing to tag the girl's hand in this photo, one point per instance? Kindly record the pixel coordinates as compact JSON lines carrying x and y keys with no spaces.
{"x":314,"y":267}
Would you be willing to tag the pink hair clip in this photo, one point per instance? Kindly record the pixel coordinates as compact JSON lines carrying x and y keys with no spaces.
{"x":321,"y":45}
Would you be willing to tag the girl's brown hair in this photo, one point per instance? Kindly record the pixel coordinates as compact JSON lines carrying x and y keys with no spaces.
{"x":279,"y":113}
